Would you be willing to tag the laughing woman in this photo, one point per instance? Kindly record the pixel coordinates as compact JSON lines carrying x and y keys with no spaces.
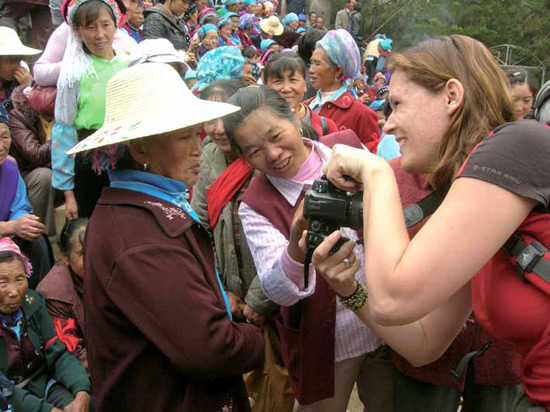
{"x":486,"y":247}
{"x":325,"y":349}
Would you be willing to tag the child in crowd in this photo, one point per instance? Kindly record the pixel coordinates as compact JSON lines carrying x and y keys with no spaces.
{"x":134,"y":22}
{"x":251,"y":73}
{"x":147,"y":4}
{"x":63,"y":289}
{"x":88,"y":64}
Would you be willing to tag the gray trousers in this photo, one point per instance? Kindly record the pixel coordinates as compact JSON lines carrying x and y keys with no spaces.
{"x":41,"y":196}
{"x":411,"y":395}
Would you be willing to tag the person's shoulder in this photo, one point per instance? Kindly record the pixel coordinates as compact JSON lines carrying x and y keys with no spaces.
{"x":521,"y":137}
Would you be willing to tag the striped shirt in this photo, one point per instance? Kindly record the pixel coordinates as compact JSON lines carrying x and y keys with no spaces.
{"x":281,"y":277}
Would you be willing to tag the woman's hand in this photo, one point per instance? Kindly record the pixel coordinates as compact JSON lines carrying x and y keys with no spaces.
{"x":28,"y":227}
{"x":22,"y":76}
{"x":235,"y":304}
{"x":81,"y":403}
{"x":71,"y":207}
{"x":297,"y":227}
{"x":253,"y":317}
{"x":338,"y":269}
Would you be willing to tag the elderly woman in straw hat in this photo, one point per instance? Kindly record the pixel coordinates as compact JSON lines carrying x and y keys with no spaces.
{"x":12,"y":73}
{"x":158,"y":324}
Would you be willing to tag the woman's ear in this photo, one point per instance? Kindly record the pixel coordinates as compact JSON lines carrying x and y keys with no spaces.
{"x":138,"y":151}
{"x":454,"y":95}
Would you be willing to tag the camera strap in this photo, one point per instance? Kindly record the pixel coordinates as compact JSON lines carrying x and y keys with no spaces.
{"x":425,"y":207}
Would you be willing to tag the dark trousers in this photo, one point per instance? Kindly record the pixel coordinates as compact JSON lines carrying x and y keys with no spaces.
{"x":370,"y":66}
{"x":412,"y":395}
{"x":87,"y":184}
{"x":41,"y":20}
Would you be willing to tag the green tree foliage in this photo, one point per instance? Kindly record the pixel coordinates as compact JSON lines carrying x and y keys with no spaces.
{"x":494,"y":22}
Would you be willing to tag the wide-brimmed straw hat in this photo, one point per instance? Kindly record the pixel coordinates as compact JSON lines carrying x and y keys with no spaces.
{"x":10,"y":44}
{"x":272,"y":25}
{"x":147,"y":100}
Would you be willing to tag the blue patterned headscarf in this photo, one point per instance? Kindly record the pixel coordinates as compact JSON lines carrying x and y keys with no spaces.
{"x":246,"y":21}
{"x":266,"y":44}
{"x":222,"y":63}
{"x":4,"y":117}
{"x":290,"y":17}
{"x":205,"y":29}
{"x":342,"y":51}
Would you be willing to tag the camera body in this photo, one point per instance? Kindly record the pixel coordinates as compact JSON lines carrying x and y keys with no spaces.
{"x":329,"y":208}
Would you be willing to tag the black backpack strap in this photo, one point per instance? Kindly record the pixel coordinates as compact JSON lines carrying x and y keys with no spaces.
{"x":422,"y":209}
{"x":324,"y":125}
{"x":529,"y":256}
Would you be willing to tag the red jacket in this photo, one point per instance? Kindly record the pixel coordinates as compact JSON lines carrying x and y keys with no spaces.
{"x":499,"y":365}
{"x":246,"y":40}
{"x":349,"y":113}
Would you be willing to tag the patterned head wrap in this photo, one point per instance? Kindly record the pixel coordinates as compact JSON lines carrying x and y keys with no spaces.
{"x":380,"y":91}
{"x":8,"y":245}
{"x":4,"y":117}
{"x":300,"y":30}
{"x":231,"y":2}
{"x":225,"y":20}
{"x":205,"y":13}
{"x":205,"y":29}
{"x":222,"y":63}
{"x":266,"y":44}
{"x":249,"y":2}
{"x":289,"y":18}
{"x":70,"y":6}
{"x":342,"y":51}
{"x":246,"y":21}
{"x":190,"y":10}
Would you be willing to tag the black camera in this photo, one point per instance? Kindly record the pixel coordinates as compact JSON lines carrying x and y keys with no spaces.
{"x":328,"y":208}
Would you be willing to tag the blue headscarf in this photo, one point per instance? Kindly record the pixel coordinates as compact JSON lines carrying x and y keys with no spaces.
{"x":246,"y":21}
{"x":302,"y":17}
{"x":4,"y":117}
{"x":342,"y":51}
{"x":266,"y":43}
{"x":190,"y":75}
{"x":205,"y":29}
{"x":290,"y":17}
{"x":223,"y":21}
{"x":223,"y":63}
{"x":230,"y":2}
{"x":249,"y":2}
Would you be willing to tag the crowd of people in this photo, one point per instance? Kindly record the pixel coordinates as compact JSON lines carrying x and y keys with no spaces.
{"x":181,"y":138}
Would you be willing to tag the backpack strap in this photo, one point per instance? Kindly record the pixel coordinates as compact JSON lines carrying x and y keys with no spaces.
{"x":529,"y":256}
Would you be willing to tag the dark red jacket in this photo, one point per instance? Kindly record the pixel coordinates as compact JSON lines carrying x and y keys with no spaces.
{"x":499,"y":365}
{"x":246,"y":40}
{"x":349,"y":113}
{"x":317,"y":123}
{"x":158,"y":333}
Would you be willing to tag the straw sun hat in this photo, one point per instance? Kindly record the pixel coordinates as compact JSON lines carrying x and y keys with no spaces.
{"x":146,"y":100}
{"x":10,"y":44}
{"x":272,"y":25}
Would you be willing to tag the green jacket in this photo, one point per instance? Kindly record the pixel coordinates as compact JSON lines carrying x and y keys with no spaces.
{"x":242,"y":281}
{"x":59,"y":363}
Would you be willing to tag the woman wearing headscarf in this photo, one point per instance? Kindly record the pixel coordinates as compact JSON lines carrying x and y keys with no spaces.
{"x":158,"y":324}
{"x":291,"y":21}
{"x":208,"y":38}
{"x":246,"y":26}
{"x":223,"y":63}
{"x":162,"y":21}
{"x":225,"y":28}
{"x":335,"y":63}
{"x":289,"y":37}
{"x":191,"y":20}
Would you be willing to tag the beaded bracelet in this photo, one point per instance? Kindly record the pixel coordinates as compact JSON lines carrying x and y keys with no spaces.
{"x":357,"y":299}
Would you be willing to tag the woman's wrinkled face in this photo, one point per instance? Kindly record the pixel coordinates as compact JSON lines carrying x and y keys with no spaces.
{"x":294,"y":24}
{"x":211,"y":40}
{"x":418,"y":132}
{"x":13,"y":286}
{"x":8,"y":67}
{"x":5,"y":142}
{"x":292,"y":87}
{"x":98,"y":35}
{"x":323,"y":74}
{"x":522,"y":98}
{"x":176,"y":155}
{"x":272,"y":145}
{"x":75,"y":258}
{"x":235,"y":21}
{"x":248,"y":77}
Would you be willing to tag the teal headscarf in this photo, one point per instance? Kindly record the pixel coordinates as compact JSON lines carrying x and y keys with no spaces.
{"x":222,"y":63}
